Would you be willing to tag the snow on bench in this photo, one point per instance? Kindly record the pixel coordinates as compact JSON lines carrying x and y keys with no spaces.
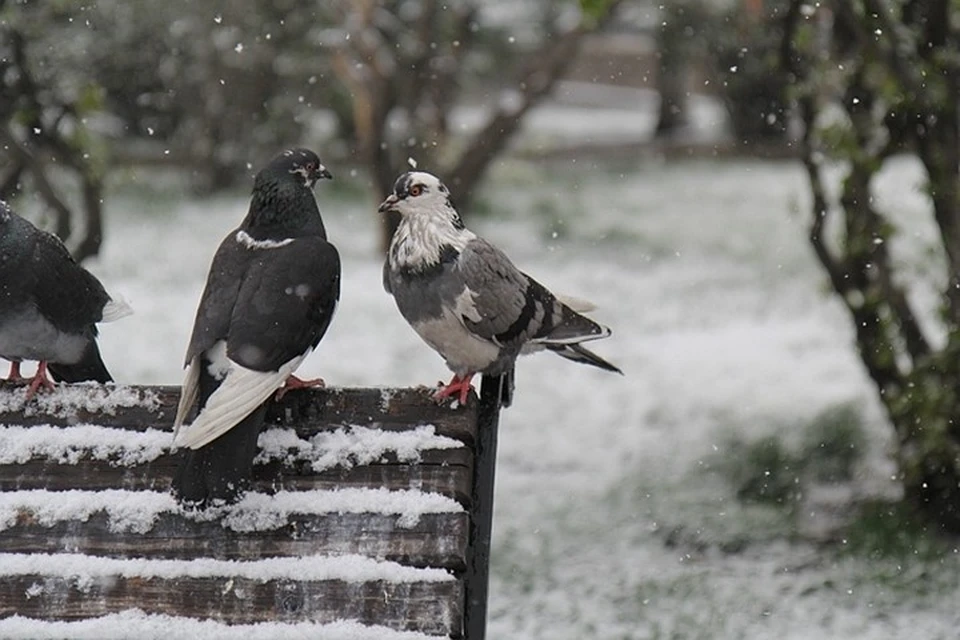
{"x":369,"y":518}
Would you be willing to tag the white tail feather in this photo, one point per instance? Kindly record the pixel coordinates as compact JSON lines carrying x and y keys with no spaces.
{"x":577,"y":304}
{"x":240,"y":393}
{"x":188,"y":394}
{"x":575,"y":339}
{"x":116,"y":308}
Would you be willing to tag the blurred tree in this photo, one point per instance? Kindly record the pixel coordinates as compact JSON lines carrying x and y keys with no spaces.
{"x":744,"y":47}
{"x":208,"y":88}
{"x":43,"y":130}
{"x":678,"y":48}
{"x":873,"y":78}
{"x":406,"y":64}
{"x":216,"y":89}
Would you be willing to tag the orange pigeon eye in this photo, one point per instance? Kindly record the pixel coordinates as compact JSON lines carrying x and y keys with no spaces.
{"x":416,"y":190}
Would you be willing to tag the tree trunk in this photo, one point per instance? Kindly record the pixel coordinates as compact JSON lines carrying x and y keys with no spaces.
{"x":918,"y":385}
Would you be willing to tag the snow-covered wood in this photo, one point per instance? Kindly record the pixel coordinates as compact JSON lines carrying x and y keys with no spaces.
{"x":360,"y":510}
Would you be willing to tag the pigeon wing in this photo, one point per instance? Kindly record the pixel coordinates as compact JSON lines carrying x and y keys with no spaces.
{"x":508,"y":307}
{"x":227,"y":272}
{"x":283,"y":308}
{"x":495,"y":293}
{"x":285,"y":304}
{"x":65,"y":293}
{"x":212,"y":322}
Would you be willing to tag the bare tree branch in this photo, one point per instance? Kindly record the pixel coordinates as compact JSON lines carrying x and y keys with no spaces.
{"x":535,"y":81}
{"x":42,"y":184}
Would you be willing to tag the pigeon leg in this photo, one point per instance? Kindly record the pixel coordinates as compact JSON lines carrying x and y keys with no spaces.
{"x":39,"y":379}
{"x":456,"y":386}
{"x":293,"y":382}
{"x":14,"y":375}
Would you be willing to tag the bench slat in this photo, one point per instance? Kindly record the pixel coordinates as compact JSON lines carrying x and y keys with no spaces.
{"x":428,"y":607}
{"x":436,"y":540}
{"x":442,"y":475}
{"x":306,"y":410}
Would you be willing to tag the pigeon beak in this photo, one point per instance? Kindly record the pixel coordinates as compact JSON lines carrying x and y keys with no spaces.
{"x":389,"y":203}
{"x":322,"y":172}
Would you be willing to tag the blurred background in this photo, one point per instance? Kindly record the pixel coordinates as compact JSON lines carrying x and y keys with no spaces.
{"x":761,"y":196}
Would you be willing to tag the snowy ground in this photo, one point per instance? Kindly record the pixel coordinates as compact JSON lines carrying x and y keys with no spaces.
{"x":611,"y":521}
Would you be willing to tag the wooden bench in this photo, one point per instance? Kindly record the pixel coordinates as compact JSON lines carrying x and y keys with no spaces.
{"x":371,"y":512}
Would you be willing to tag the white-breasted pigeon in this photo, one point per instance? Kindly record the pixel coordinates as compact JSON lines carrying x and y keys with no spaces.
{"x":464,"y":296}
{"x":49,"y":307}
{"x":270,"y":295}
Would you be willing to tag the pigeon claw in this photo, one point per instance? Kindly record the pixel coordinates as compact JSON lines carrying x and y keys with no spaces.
{"x":14,"y":375}
{"x":39,"y":380}
{"x":293,"y":382}
{"x":459,"y":385}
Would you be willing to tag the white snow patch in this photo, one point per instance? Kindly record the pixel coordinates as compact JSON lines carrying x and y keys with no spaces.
{"x":69,"y":445}
{"x":137,"y":511}
{"x":258,"y":511}
{"x":66,"y":400}
{"x":386,"y":397}
{"x":346,"y":568}
{"x":353,"y":445}
{"x":144,"y":626}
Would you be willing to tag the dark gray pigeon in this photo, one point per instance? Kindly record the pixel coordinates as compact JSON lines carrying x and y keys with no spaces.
{"x":49,"y":307}
{"x":270,"y":296}
{"x":465,"y":298}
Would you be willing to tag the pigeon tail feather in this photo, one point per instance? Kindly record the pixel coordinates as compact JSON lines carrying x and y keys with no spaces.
{"x":90,"y":367}
{"x":573,"y":328}
{"x":240,"y":393}
{"x":220,"y":472}
{"x":116,"y":308}
{"x":188,"y":394}
{"x":580,"y":305}
{"x":579,"y":353}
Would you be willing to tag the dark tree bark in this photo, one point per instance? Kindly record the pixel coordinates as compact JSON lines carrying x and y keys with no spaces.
{"x":422,"y":79}
{"x":910,"y":47}
{"x":32,"y":133}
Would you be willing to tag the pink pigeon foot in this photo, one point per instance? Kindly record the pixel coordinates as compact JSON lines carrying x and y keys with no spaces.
{"x":293,"y":382}
{"x":14,"y":375}
{"x":39,"y":380}
{"x":456,"y":386}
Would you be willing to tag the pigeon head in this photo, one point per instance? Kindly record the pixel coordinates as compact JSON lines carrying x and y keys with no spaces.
{"x":301,"y":166}
{"x":421,"y":194}
{"x":282,"y":194}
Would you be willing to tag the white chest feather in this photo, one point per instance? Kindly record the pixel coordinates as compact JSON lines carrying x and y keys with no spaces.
{"x":27,"y":335}
{"x":419,"y":240}
{"x":463,"y":351}
{"x":245,"y":239}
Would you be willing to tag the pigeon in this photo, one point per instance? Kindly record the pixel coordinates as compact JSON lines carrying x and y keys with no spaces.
{"x":49,"y":307}
{"x":464,"y":296}
{"x":270,"y":295}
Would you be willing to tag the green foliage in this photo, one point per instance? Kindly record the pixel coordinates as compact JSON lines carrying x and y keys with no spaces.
{"x":834,"y":444}
{"x":90,"y":99}
{"x":744,"y":50}
{"x":770,"y":471}
{"x":764,"y":471}
{"x":891,"y":530}
{"x":595,"y":9}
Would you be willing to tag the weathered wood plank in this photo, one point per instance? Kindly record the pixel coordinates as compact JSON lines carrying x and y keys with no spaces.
{"x":436,"y":540}
{"x":440,"y":471}
{"x":306,"y":410}
{"x":391,"y":409}
{"x":428,"y":607}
